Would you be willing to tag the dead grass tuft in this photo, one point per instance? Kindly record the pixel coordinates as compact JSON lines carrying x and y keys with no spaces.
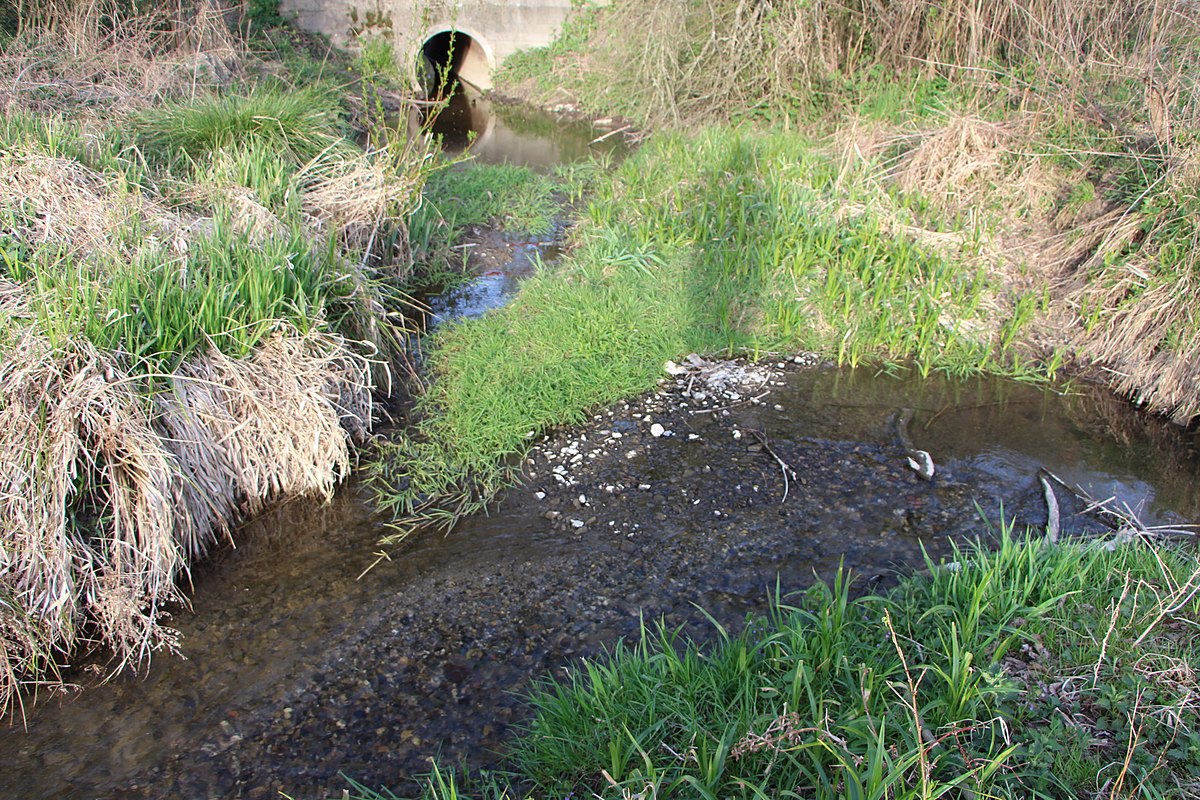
{"x":957,"y":161}
{"x":359,"y":200}
{"x":106,"y":493}
{"x":1149,"y":348}
{"x":61,"y":201}
{"x":77,"y":55}
{"x":79,"y":448}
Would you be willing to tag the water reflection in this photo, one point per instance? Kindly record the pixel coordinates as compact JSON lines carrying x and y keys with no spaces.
{"x":502,"y":134}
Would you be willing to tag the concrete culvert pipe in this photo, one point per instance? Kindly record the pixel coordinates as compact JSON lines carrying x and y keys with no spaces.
{"x":451,"y":54}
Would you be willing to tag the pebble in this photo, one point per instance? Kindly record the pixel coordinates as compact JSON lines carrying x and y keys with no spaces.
{"x":657,"y":430}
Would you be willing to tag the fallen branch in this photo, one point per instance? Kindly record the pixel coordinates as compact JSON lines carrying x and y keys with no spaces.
{"x":1052,"y":521}
{"x":784,"y":467}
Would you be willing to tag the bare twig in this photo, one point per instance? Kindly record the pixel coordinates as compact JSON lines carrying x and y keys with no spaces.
{"x":784,"y":467}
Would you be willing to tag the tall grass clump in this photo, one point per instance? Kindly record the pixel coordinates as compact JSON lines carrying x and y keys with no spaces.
{"x":295,"y":124}
{"x":1009,"y":672}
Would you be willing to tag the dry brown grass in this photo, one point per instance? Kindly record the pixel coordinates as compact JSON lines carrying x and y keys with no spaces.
{"x":359,"y":200}
{"x":965,"y":161}
{"x":70,"y":54}
{"x":1148,"y":349}
{"x":111,"y":480}
{"x":64,"y":202}
{"x":107,"y":493}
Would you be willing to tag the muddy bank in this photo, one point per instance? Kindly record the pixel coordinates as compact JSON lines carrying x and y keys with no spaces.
{"x":299,"y":670}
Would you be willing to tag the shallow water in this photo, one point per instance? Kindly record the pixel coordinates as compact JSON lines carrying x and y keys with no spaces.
{"x":495,"y":133}
{"x":298,"y":665}
{"x":306,"y":654}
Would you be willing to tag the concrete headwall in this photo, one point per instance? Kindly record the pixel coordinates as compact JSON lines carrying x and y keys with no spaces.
{"x":496,"y":28}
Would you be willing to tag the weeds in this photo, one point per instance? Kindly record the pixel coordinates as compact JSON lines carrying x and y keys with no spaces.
{"x":929,"y":691}
{"x":516,"y":199}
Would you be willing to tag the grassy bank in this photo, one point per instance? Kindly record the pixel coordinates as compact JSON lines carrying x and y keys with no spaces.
{"x":719,"y":242}
{"x":1021,"y":669}
{"x":1061,"y":135}
{"x":200,"y":279}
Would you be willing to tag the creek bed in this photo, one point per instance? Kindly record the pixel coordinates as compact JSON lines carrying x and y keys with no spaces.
{"x":298,"y":669}
{"x":307,"y":655}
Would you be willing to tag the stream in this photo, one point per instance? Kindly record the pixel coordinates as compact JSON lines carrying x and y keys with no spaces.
{"x":307,"y":655}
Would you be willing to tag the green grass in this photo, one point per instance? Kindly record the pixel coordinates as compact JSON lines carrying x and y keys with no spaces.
{"x":230,"y":291}
{"x":513,"y":198}
{"x":296,"y":124}
{"x":916,"y":694}
{"x":459,"y":196}
{"x":104,"y":149}
{"x":253,"y":261}
{"x":721,"y":242}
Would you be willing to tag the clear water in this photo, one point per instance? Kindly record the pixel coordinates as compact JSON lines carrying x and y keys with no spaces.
{"x":305,"y":653}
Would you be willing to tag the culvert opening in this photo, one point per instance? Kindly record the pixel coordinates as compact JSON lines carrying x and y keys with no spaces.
{"x":452,"y":56}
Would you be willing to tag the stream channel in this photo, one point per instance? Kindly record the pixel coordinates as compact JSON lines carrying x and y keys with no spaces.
{"x":298,"y":666}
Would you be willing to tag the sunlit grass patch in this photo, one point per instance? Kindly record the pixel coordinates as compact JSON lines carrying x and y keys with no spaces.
{"x":721,"y":242}
{"x":1018,"y":669}
{"x":459,"y":197}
